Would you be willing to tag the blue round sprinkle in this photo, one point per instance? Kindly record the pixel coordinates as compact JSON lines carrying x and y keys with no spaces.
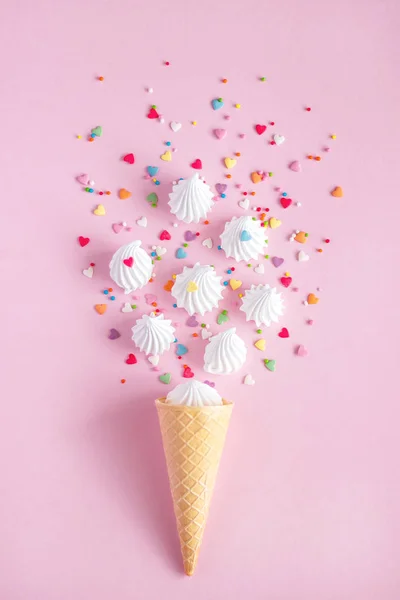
{"x":229,"y":271}
{"x":219,"y":248}
{"x":105,"y":292}
{"x":112,"y":297}
{"x":92,"y":135}
{"x":153,"y":254}
{"x":167,"y":143}
{"x":223,"y":195}
{"x":157,"y":182}
{"x":226,"y":282}
{"x":175,"y":305}
{"x":284,"y":194}
{"x":91,"y":190}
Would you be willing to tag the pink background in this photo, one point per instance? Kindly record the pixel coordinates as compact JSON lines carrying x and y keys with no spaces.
{"x":308,"y":499}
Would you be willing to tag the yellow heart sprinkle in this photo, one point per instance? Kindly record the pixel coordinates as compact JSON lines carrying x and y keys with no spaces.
{"x":235,"y":283}
{"x":100,"y":211}
{"x":230,"y":163}
{"x":260,"y":344}
{"x":167,"y":156}
{"x":274,"y":223}
{"x":191,"y":287}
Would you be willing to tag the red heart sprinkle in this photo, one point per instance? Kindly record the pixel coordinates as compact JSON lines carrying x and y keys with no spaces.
{"x":286,"y":202}
{"x":83,"y":241}
{"x":286,"y":281}
{"x":131,"y":360}
{"x":128,"y":261}
{"x":260,"y":129}
{"x":129,"y":158}
{"x":153,"y":114}
{"x":197,"y":164}
{"x":188,"y":373}
{"x":283,"y":333}
{"x":164,"y":235}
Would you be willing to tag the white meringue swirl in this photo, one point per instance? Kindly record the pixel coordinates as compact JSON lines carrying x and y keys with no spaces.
{"x":153,"y":334}
{"x":197,"y":289}
{"x":134,"y":277}
{"x":243,"y":238}
{"x":194,"y":393}
{"x":225,"y":353}
{"x":262,"y":304}
{"x":191,"y":199}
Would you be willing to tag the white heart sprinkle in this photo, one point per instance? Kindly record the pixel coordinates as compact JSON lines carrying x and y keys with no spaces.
{"x":205,"y":334}
{"x":142,"y":222}
{"x":244,"y":203}
{"x":88,"y":272}
{"x":159,"y":250}
{"x":154,"y":360}
{"x":127,"y":308}
{"x":248,"y":380}
{"x":279,"y":139}
{"x":208,"y":243}
{"x":259,"y":269}
{"x":302,"y":256}
{"x":175,"y":126}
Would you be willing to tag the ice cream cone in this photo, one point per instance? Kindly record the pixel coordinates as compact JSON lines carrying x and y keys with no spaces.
{"x":193,"y":439}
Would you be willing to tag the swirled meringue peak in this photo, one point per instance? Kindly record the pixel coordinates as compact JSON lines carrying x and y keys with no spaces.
{"x":131,"y":267}
{"x":191,"y":199}
{"x":225,"y":353}
{"x":243,"y":238}
{"x":197,"y":289}
{"x":262,"y":304}
{"x":153,"y":334}
{"x":194,"y":393}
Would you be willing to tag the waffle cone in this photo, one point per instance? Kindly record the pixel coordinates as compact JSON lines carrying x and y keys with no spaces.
{"x":193,"y":440}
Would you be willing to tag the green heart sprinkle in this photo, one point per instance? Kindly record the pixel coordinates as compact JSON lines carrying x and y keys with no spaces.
{"x":270,"y":364}
{"x":166,"y":378}
{"x":97,"y":131}
{"x":153,"y":199}
{"x":223,"y":317}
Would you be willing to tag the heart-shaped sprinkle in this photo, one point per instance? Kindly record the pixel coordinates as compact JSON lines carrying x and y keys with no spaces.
{"x":244,"y":203}
{"x":167,"y":156}
{"x":142,"y":222}
{"x":165,"y":235}
{"x":189,"y":236}
{"x":97,"y":131}
{"x":220,"y":133}
{"x":181,"y":350}
{"x":129,"y":158}
{"x":259,"y":269}
{"x":192,"y":321}
{"x":124,"y":194}
{"x":131,"y":360}
{"x":175,"y":126}
{"x":209,"y":383}
{"x":248,"y":380}
{"x":83,"y":179}
{"x":152,"y":114}
{"x":128,"y":262}
{"x":286,"y":281}
{"x":191,"y":287}
{"x":278,"y":139}
{"x":169,"y":285}
{"x":221,"y":188}
{"x":235,"y":284}
{"x":302,"y":256}
{"x":301,"y":237}
{"x":260,"y":344}
{"x":205,"y":334}
{"x":188,"y":373}
{"x":117,"y":227}
{"x":153,"y":199}
{"x":100,"y":308}
{"x":256,"y":177}
{"x":277,"y":261}
{"x":285,"y":202}
{"x":166,"y":378}
{"x":312,"y":299}
{"x":99,"y":211}
{"x":159,"y":250}
{"x":83,"y":241}
{"x":180,"y":253}
{"x":208,"y":243}
{"x":222,"y":317}
{"x":301,"y":351}
{"x":127,"y":308}
{"x":150,"y":298}
{"x":283,"y":333}
{"x":114,"y":334}
{"x":197,"y":164}
{"x":230,"y":162}
{"x":260,"y":129}
{"x":295,"y":166}
{"x":217,"y":103}
{"x":337,"y":192}
{"x":245,"y":236}
{"x":154,"y":360}
{"x":270,"y":364}
{"x":152,"y":171}
{"x":88,"y":272}
{"x":274,"y":223}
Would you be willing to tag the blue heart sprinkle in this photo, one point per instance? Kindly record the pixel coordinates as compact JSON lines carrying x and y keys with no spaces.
{"x":152,"y":171}
{"x":217,"y":103}
{"x":181,"y":350}
{"x":245,"y":236}
{"x":180,"y":253}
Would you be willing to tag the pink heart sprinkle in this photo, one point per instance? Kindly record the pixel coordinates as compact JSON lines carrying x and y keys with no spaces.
{"x":295,"y":166}
{"x":155,"y":368}
{"x":220,"y":133}
{"x":128,"y":228}
{"x":302,"y":351}
{"x":83,"y":179}
{"x":117,"y":227}
{"x":242,"y":135}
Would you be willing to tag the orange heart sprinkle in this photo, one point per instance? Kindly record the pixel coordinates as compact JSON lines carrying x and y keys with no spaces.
{"x":124,"y":194}
{"x":312,"y":299}
{"x":100,"y":308}
{"x":301,"y":237}
{"x":337,"y":192}
{"x":256,"y":177}
{"x":169,"y":285}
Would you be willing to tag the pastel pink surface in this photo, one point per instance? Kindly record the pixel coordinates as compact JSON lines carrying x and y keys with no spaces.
{"x":308,"y":499}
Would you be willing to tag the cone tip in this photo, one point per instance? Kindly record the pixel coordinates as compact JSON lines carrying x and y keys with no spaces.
{"x":189,"y":569}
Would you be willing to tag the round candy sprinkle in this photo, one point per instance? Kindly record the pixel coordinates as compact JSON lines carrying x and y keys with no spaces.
{"x":194,"y":123}
{"x":101,"y":78}
{"x":226,"y":282}
{"x":238,"y":106}
{"x":112,"y":297}
{"x":259,"y":331}
{"x":175,"y":306}
{"x":123,"y":380}
{"x":105,"y":292}
{"x":223,"y":195}
{"x":308,"y":109}
{"x":167,"y":143}
{"x":284,"y":194}
{"x":224,"y":81}
{"x":333,"y":137}
{"x":263,"y":78}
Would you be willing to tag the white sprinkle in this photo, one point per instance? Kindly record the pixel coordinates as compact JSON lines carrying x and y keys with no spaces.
{"x":150,"y":90}
{"x":298,"y":204}
{"x":91,"y":182}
